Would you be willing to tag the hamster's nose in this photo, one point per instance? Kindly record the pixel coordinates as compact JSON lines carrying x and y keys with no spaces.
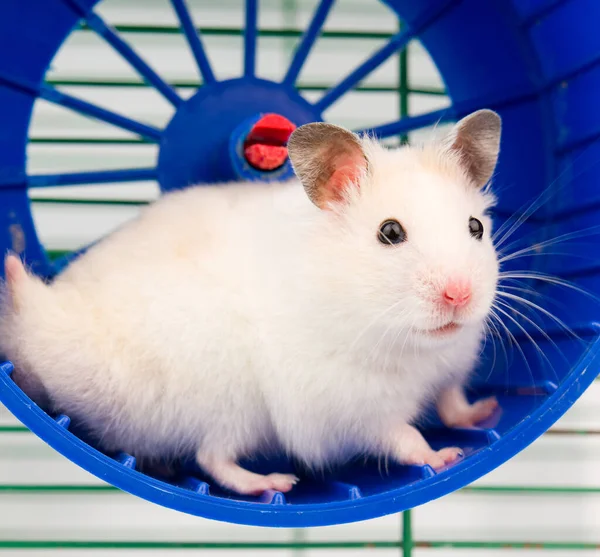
{"x":457,"y":292}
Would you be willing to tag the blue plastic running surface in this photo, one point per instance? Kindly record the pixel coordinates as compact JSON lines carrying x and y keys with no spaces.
{"x":536,"y":62}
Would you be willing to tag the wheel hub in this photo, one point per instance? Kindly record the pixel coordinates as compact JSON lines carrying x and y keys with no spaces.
{"x":205,"y":141}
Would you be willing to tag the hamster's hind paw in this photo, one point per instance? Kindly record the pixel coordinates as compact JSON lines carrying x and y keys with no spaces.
{"x":281,"y":482}
{"x":232,"y":476}
{"x":435,"y":459}
{"x":249,"y":483}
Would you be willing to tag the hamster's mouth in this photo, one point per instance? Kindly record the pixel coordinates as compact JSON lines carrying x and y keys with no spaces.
{"x":444,"y":330}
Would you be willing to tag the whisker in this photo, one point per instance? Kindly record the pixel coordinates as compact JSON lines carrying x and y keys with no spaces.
{"x":488,"y":333}
{"x":542,"y":310}
{"x":542,"y":332}
{"x":545,"y":254}
{"x":494,"y":315}
{"x":406,"y":337}
{"x":373,"y":321}
{"x":530,"y":338}
{"x":524,"y":289}
{"x":395,"y":340}
{"x":513,"y":227}
{"x":575,"y":234}
{"x":374,"y":348}
{"x":512,"y":343}
{"x":590,"y":231}
{"x":536,"y":275}
{"x":532,"y":293}
{"x":495,"y":349}
{"x":530,"y":311}
{"x":537,"y":202}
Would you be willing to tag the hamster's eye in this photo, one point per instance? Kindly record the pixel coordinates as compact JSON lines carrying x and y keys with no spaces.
{"x":391,"y":232}
{"x":476,"y":228}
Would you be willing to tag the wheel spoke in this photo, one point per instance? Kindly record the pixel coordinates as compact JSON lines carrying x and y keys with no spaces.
{"x":193,"y":39}
{"x":542,"y":12}
{"x":411,"y":123}
{"x":399,"y":41}
{"x":97,"y":24}
{"x":308,"y":40}
{"x":565,"y":147}
{"x":250,"y":32}
{"x":54,"y":96}
{"x":95,"y":177}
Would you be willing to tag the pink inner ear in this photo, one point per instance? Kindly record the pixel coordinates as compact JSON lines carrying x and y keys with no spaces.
{"x":347,"y":169}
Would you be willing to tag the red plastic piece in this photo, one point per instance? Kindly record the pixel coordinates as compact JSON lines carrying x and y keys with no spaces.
{"x":265,"y":147}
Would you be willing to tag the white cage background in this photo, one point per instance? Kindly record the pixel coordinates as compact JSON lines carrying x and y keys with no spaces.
{"x":549,"y":494}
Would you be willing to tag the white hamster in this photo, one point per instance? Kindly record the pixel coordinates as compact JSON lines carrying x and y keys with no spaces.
{"x":318,"y":320}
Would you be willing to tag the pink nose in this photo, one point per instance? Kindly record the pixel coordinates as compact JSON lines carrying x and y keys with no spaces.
{"x":457,"y":293}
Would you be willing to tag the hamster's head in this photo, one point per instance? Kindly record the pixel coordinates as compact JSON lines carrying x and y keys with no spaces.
{"x":406,"y":235}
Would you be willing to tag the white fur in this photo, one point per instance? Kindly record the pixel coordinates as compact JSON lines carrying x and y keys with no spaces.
{"x":228,"y":319}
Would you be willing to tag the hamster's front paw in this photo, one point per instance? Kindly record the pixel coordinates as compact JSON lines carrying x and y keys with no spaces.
{"x":473,"y":414}
{"x":435,"y":459}
{"x":456,"y":411}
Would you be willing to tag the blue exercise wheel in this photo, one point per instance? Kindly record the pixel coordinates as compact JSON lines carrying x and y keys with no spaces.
{"x":536,"y":62}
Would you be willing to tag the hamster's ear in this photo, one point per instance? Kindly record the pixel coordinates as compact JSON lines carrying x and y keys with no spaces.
{"x":327,"y":159}
{"x":476,"y":139}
